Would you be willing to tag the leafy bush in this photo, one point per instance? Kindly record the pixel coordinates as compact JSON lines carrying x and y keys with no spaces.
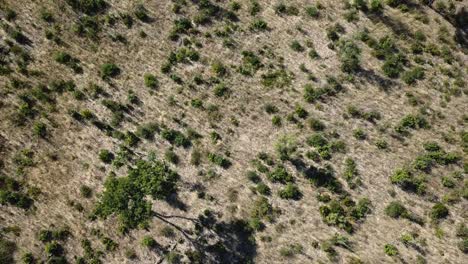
{"x":106,"y":156}
{"x":171,"y":156}
{"x":411,"y":76}
{"x":312,"y":11}
{"x":290,"y":191}
{"x":390,"y":250}
{"x":109,"y":70}
{"x":393,"y":66}
{"x":258,"y":25}
{"x":439,"y":211}
{"x":282,"y":9}
{"x":71,"y":62}
{"x":219,"y":160}
{"x":406,"y":180}
{"x":263,"y":189}
{"x":221,"y":90}
{"x":280,"y":174}
{"x":316,"y":124}
{"x":411,"y":122}
{"x":89,"y":7}
{"x":149,"y":242}
{"x":40,"y":129}
{"x":175,"y":137}
{"x":86,"y":191}
{"x":151,"y":81}
{"x":349,"y":56}
{"x":277,"y":78}
{"x":296,"y":46}
{"x":396,"y":210}
{"x":7,"y":251}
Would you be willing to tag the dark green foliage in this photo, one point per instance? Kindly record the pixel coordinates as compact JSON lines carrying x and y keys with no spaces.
{"x":435,"y":155}
{"x":109,"y":70}
{"x":290,"y":191}
{"x":147,"y":131}
{"x":296,"y":46}
{"x":219,"y":160}
{"x":406,"y":180}
{"x":335,"y":214}
{"x":439,"y":211}
{"x":316,"y":124}
{"x":351,"y":173}
{"x":109,"y":244}
{"x":175,"y":137}
{"x":71,"y":62}
{"x":147,"y":178}
{"x":221,"y":90}
{"x":12,"y":192}
{"x":40,"y":129}
{"x":411,"y":122}
{"x":171,"y":156}
{"x":7,"y":251}
{"x":141,"y":13}
{"x":393,"y":66}
{"x":280,"y":174}
{"x":86,"y":191}
{"x":10,"y":14}
{"x":258,"y":25}
{"x":89,"y":7}
{"x":53,"y":249}
{"x":277,"y":79}
{"x":312,"y":11}
{"x":334,"y":31}
{"x":396,"y":210}
{"x":106,"y":156}
{"x":250,"y":63}
{"x":151,"y":81}
{"x":149,"y":242}
{"x":27,"y":258}
{"x":312,"y":94}
{"x":282,"y":9}
{"x":411,"y":76}
{"x":262,"y":209}
{"x":263,"y":189}
{"x":350,"y":56}
{"x":254,"y":8}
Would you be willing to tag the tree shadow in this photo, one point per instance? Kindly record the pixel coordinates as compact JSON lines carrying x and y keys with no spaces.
{"x":398,"y":27}
{"x":372,"y":77}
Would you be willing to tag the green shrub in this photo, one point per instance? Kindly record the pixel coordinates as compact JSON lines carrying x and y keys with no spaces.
{"x":359,"y":134}
{"x":312,"y":11}
{"x":7,"y":251}
{"x":411,"y":76}
{"x":53,"y":249}
{"x":290,"y":191}
{"x":86,"y":191}
{"x":258,"y":25}
{"x":26,"y":258}
{"x":109,"y":70}
{"x":276,"y":120}
{"x":221,"y":90}
{"x":263,"y":189}
{"x":396,"y":210}
{"x":296,"y":46}
{"x":350,"y":56}
{"x":151,"y":81}
{"x":10,"y":14}
{"x":171,"y":156}
{"x":316,"y":124}
{"x":280,"y":174}
{"x":89,"y":7}
{"x":376,"y":6}
{"x":219,"y":160}
{"x":390,"y":250}
{"x":40,"y":129}
{"x":149,"y":242}
{"x":411,"y":122}
{"x":106,"y":156}
{"x":439,"y":211}
{"x":141,"y":13}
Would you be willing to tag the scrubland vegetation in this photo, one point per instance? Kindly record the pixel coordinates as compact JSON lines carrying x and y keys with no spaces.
{"x":233,"y":131}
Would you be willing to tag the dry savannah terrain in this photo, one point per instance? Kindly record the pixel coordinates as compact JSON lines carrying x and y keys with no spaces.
{"x":233,"y":131}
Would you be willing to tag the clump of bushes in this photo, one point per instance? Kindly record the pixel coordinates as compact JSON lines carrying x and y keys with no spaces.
{"x":439,"y":211}
{"x":344,"y":212}
{"x":390,"y":250}
{"x":71,"y":62}
{"x":109,"y":70}
{"x":411,"y":76}
{"x":276,"y":78}
{"x":258,"y":25}
{"x":151,"y":81}
{"x":411,"y":121}
{"x":106,"y":156}
{"x":350,"y":56}
{"x":175,"y":137}
{"x":89,"y":7}
{"x":219,"y":160}
{"x":312,"y":94}
{"x":290,"y":191}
